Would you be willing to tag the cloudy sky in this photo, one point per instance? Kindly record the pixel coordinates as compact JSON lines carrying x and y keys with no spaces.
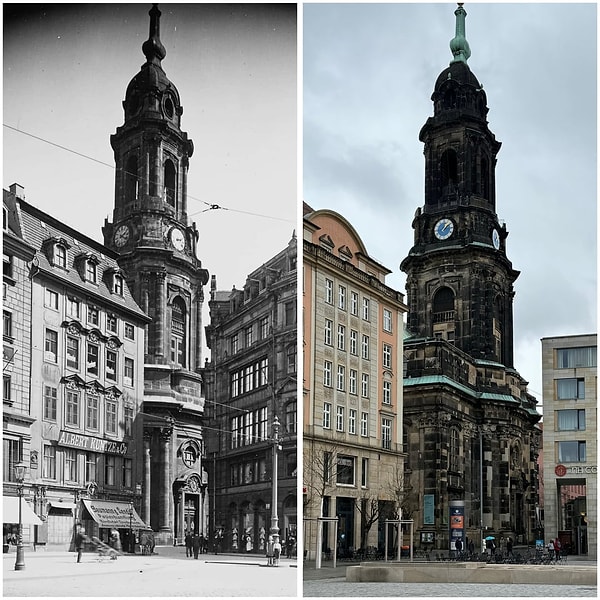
{"x":66,"y":69}
{"x":369,"y":72}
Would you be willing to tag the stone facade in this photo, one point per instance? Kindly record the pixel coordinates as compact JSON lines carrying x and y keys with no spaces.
{"x":353,"y":331}
{"x":251,"y":383}
{"x":569,"y":374}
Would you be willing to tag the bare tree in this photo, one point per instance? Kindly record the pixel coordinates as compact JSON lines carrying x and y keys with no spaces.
{"x":320,"y":468}
{"x":403,"y":495}
{"x":370,"y":509}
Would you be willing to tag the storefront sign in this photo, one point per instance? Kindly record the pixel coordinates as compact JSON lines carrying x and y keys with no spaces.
{"x":561,"y":470}
{"x":91,"y":444}
{"x":114,"y":514}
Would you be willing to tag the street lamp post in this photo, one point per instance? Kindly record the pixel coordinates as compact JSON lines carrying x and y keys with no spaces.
{"x":20,"y":477}
{"x":274,"y":517}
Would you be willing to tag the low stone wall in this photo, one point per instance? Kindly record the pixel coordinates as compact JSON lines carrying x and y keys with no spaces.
{"x":472,"y":573}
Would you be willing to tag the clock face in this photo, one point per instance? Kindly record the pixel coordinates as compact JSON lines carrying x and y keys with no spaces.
{"x":121,"y":235}
{"x":496,"y":239}
{"x":443,"y":229}
{"x":177,"y":239}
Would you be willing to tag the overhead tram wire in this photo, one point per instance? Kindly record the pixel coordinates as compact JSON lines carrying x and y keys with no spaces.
{"x":190,"y":197}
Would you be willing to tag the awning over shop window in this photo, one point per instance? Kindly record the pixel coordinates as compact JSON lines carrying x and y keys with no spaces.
{"x":114,"y":514}
{"x":62,"y":505}
{"x":10,"y":511}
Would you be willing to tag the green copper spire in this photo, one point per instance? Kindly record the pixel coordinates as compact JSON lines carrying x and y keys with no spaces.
{"x":459,"y":45}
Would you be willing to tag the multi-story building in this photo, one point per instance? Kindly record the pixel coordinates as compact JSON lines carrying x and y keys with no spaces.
{"x":251,"y":384}
{"x":470,"y":423}
{"x":84,"y":379}
{"x":353,"y":363}
{"x":569,"y":375}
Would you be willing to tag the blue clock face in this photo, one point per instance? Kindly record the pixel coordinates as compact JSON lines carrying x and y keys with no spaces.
{"x":496,"y":239}
{"x":443,"y":229}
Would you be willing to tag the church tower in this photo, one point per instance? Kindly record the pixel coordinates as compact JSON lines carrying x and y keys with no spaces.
{"x":469,"y":421}
{"x":152,"y":233}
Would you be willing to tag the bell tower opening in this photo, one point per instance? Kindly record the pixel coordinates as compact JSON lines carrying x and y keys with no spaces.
{"x":444,"y":314}
{"x":170,"y":177}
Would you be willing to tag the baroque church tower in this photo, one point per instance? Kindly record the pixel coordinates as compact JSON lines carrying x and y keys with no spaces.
{"x":156,"y":241}
{"x":469,"y":421}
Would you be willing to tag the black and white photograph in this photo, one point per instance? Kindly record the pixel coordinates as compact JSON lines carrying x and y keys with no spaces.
{"x":150,"y":300}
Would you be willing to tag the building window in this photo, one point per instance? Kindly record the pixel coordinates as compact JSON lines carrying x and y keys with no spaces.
{"x":291,"y":358}
{"x":570,"y":389}
{"x":326,"y":415}
{"x":365,"y":385}
{"x":569,"y":358}
{"x":6,"y":389}
{"x":571,"y":452}
{"x":60,"y":256}
{"x":109,"y":469}
{"x":51,"y":346}
{"x":111,"y":417}
{"x":73,"y":307}
{"x":354,"y":342}
{"x":50,"y":403}
{"x":118,"y":284}
{"x":70,"y":465}
{"x":341,"y":378}
{"x":234,"y":343}
{"x":93,"y":404}
{"x":51,"y":299}
{"x":91,"y":466}
{"x":93,"y":315}
{"x":339,"y":418}
{"x":365,"y":347}
{"x":72,"y":352}
{"x":353,"y":381}
{"x":386,"y":433}
{"x":570,"y":420}
{"x":342,"y":297}
{"x":454,"y":451}
{"x":341,"y":337}
{"x":7,"y":265}
{"x":387,"y":392}
{"x":365,"y":309}
{"x":264,"y":328}
{"x":127,"y":471}
{"x":93,"y":352}
{"x":387,"y":320}
{"x":327,"y":373}
{"x":352,"y":421}
{"x":364,"y":473}
{"x":290,"y":417}
{"x":328,"y":332}
{"x":248,"y":337}
{"x":178,"y":332}
{"x":329,"y":291}
{"x":345,"y":470}
{"x":91,"y":271}
{"x":128,"y":367}
{"x":364,"y":424}
{"x":111,"y":323}
{"x":354,"y":303}
{"x":7,"y":326}
{"x":387,"y":356}
{"x":72,"y":408}
{"x":290,"y":313}
{"x":129,"y":331}
{"x":49,"y":468}
{"x":128,"y":420}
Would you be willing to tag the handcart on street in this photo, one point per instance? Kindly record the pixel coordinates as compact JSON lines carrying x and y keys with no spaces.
{"x":104,"y":550}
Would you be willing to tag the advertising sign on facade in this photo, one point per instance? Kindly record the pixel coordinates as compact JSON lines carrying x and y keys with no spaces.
{"x":91,"y":444}
{"x":457,"y":523}
{"x":428,"y":509}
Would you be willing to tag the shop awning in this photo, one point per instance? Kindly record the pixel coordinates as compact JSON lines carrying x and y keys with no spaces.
{"x":114,"y":514}
{"x":10,"y":511}
{"x":63,"y":505}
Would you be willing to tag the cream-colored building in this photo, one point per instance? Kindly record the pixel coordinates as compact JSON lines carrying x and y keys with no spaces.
{"x":353,"y":366}
{"x":569,"y":372}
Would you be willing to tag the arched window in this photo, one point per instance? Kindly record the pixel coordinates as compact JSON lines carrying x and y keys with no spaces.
{"x":454,"y":450}
{"x":485,"y":178}
{"x":131,"y":179}
{"x":449,"y":171}
{"x":498,"y":326}
{"x":443,"y":305}
{"x":178,"y":330}
{"x":290,"y":417}
{"x":170,"y":182}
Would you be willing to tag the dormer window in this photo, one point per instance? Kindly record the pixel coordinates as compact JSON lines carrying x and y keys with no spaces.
{"x":60,"y":256}
{"x":91,"y":271}
{"x":55,"y":249}
{"x":118,"y":285}
{"x":114,"y":279}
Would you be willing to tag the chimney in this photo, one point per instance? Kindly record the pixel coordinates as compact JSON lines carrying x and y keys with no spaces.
{"x":17,"y":190}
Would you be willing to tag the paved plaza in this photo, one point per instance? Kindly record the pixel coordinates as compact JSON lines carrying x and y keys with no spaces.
{"x":167,"y":573}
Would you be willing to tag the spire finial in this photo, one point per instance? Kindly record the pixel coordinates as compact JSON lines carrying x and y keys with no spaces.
{"x":152,"y":48}
{"x":459,"y":45}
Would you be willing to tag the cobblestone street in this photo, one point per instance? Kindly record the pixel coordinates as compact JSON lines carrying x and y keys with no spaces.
{"x":169,"y":573}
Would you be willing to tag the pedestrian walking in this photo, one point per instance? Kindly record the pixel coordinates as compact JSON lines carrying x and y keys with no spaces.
{"x":509,"y":547}
{"x":458,"y":546}
{"x":79,"y":541}
{"x":196,"y":545}
{"x":188,"y":543}
{"x":556,"y":546}
{"x":471,"y":547}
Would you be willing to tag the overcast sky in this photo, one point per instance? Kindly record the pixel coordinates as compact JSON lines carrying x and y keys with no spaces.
{"x":66,"y":69}
{"x":369,"y":72}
